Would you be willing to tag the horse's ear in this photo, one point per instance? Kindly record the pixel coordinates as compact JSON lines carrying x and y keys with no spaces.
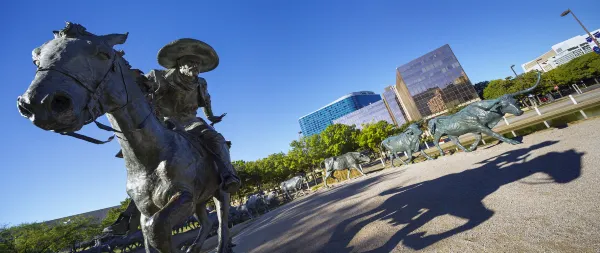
{"x":56,"y":34}
{"x":115,"y":38}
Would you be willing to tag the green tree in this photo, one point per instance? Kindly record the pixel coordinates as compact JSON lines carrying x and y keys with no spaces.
{"x":372,"y":135}
{"x":114,"y":213}
{"x":7,"y":240}
{"x":339,"y":139}
{"x":49,"y":237}
{"x":298,"y":156}
{"x":479,"y":87}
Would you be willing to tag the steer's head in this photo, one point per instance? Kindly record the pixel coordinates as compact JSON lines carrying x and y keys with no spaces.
{"x":414,"y":129}
{"x":363,"y":158}
{"x":508,"y":103}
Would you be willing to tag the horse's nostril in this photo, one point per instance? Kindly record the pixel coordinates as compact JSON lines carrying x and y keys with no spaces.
{"x":60,"y":103}
{"x":22,"y":108}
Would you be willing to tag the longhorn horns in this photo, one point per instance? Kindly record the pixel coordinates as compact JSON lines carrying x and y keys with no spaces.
{"x":529,"y":89}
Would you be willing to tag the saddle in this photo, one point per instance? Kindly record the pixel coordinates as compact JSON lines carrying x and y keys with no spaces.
{"x":195,"y":140}
{"x":120,"y":153}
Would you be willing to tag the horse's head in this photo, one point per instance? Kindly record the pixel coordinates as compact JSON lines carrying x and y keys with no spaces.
{"x":74,"y":72}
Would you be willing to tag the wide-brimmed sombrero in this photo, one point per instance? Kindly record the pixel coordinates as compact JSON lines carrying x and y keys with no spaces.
{"x":168,"y":55}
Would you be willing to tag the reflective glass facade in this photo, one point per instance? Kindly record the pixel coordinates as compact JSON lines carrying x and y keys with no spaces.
{"x":436,"y":82}
{"x":317,"y":121}
{"x":393,"y":105}
{"x":372,"y":113}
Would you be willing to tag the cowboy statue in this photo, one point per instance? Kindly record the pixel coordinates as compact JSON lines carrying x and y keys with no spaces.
{"x":176,"y":94}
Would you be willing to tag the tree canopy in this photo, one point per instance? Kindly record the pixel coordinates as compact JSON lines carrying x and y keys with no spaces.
{"x":48,"y":237}
{"x":581,"y":68}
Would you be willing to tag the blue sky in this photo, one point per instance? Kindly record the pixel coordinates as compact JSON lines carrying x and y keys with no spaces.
{"x":279,"y":60}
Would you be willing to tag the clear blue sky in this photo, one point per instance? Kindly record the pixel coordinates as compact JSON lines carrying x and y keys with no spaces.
{"x":279,"y":60}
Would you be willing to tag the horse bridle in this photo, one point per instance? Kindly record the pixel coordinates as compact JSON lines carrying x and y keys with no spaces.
{"x":93,"y":106}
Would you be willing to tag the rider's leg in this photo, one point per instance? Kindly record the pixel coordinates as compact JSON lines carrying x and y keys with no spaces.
{"x":220,"y":149}
{"x":216,"y":142}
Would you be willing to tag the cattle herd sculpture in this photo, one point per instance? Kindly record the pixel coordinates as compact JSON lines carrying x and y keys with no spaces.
{"x":80,"y":77}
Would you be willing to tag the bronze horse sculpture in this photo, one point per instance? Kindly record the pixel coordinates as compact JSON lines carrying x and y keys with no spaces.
{"x":170,"y":176}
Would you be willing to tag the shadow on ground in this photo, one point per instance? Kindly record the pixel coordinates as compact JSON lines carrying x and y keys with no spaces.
{"x":458,"y":194}
{"x":307,"y":225}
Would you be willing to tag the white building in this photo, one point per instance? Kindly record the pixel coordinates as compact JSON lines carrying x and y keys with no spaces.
{"x":562,"y":53}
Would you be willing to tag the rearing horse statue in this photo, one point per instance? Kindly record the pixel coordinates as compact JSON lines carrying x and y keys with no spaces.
{"x":170,"y":176}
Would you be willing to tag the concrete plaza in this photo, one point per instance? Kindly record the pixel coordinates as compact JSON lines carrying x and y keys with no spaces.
{"x":539,"y":196}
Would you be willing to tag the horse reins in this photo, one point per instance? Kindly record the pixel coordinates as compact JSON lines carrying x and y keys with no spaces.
{"x":93,"y":105}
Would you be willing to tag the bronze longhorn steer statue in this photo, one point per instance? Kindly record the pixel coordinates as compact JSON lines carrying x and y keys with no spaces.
{"x":408,"y":141}
{"x":479,"y":117}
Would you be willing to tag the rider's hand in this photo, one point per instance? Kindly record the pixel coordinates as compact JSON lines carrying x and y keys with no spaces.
{"x":215,"y":119}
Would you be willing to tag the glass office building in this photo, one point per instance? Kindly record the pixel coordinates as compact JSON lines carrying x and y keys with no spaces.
{"x":372,"y":113}
{"x":433,"y":83}
{"x":318,"y":120}
{"x":393,"y":105}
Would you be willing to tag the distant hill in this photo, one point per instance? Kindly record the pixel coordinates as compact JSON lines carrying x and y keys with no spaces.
{"x":97,"y":215}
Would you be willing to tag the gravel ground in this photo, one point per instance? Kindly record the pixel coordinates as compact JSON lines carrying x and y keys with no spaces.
{"x":539,"y":196}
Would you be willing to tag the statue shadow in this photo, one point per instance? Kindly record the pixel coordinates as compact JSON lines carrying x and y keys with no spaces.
{"x":518,"y":138}
{"x":460,"y":195}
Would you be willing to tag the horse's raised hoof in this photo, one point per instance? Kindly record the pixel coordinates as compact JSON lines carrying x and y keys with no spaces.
{"x":513,"y":142}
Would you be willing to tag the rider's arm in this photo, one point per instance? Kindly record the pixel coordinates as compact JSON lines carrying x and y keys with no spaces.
{"x":204,"y":97}
{"x":150,"y":82}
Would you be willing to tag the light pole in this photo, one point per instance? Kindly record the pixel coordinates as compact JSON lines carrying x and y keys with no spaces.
{"x":512,"y":67}
{"x":538,"y":63}
{"x":586,"y":30}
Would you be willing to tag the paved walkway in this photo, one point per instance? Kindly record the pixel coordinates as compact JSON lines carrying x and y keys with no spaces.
{"x":539,"y":196}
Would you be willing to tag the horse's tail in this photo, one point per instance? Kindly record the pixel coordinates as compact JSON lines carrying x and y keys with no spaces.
{"x":432,"y":125}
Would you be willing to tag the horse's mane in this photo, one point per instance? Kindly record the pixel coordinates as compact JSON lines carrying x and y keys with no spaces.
{"x":72,"y":30}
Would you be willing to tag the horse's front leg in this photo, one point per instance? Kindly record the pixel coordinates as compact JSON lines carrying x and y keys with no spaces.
{"x":409,"y":154}
{"x":206,"y":225}
{"x":457,"y":143}
{"x":426,"y":155}
{"x":404,"y":162}
{"x":490,"y":132}
{"x":436,"y":141}
{"x":477,"y":140}
{"x":359,"y":168}
{"x":327,"y":175}
{"x":158,"y":227}
{"x":222,"y":203}
{"x":147,"y":245}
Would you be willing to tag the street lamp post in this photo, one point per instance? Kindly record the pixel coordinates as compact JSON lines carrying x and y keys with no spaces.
{"x":512,"y":67}
{"x":586,"y":30}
